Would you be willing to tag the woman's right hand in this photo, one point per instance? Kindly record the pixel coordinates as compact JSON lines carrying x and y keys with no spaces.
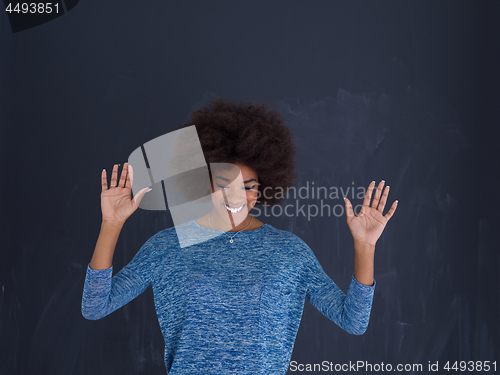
{"x":116,"y":204}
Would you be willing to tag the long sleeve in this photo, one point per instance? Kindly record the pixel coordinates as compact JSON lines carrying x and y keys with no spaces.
{"x":103,"y":294}
{"x":350,"y":312}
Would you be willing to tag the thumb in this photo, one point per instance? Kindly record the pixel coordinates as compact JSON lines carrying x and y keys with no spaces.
{"x":348,"y":209}
{"x":138,"y":197}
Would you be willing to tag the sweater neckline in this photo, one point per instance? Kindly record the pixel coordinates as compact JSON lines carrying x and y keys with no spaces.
{"x":218,"y":230}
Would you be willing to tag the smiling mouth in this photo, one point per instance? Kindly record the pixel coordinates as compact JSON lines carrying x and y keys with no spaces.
{"x":233,"y":210}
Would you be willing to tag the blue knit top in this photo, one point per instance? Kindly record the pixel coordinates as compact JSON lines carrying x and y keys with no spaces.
{"x":228,"y":308}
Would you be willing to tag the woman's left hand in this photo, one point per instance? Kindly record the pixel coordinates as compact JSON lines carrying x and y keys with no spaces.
{"x":367,"y":227}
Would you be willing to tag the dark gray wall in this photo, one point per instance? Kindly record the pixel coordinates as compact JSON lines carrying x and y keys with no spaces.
{"x":401,"y":91}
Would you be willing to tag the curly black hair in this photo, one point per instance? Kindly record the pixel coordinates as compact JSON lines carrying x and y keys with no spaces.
{"x":252,"y":134}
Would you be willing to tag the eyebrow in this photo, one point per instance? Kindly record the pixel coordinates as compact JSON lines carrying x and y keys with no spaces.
{"x":245,"y":182}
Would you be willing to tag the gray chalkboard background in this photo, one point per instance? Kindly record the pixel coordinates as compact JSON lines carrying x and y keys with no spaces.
{"x":405,"y":91}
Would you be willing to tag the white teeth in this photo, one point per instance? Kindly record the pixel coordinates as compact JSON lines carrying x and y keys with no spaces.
{"x":233,"y":210}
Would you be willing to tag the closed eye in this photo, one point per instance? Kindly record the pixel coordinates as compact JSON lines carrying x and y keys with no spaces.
{"x":246,"y":188}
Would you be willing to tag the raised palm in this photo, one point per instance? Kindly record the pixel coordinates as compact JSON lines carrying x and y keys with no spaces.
{"x":370,"y":222}
{"x":116,"y":202}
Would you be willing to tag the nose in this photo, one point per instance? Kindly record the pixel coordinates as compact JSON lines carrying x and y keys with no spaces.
{"x":233,"y":197}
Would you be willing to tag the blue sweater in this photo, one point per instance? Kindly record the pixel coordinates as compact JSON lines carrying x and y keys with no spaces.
{"x":228,"y":308}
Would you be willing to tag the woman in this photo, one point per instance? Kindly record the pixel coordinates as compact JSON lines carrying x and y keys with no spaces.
{"x":232,"y":303}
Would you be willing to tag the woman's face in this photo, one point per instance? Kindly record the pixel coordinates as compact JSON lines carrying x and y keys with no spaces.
{"x":237,"y":190}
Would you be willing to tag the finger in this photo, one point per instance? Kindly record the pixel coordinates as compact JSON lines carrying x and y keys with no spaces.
{"x":123,"y":177}
{"x":104,"y":181}
{"x":368,"y":195}
{"x":392,"y":210}
{"x":114,"y":175}
{"x":383,"y":200}
{"x":138,"y":197}
{"x":348,"y":209}
{"x":130,"y":177}
{"x":378,"y":192}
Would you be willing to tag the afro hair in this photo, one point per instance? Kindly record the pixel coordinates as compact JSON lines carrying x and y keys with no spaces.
{"x":251,"y":134}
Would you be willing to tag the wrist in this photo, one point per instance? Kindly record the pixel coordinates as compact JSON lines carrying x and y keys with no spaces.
{"x":364,"y":247}
{"x":112,"y":223}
